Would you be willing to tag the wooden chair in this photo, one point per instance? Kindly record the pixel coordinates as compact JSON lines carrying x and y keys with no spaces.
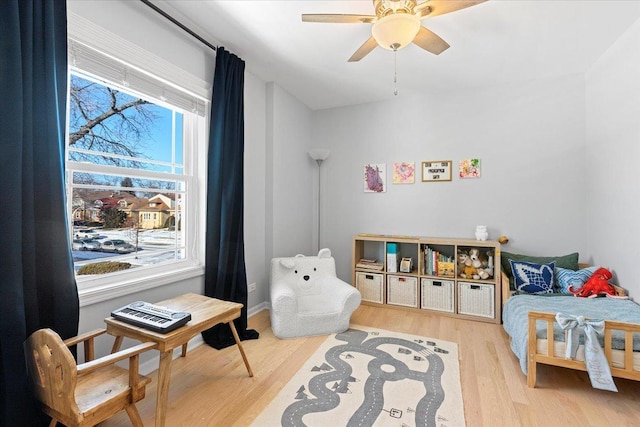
{"x":85,"y":394}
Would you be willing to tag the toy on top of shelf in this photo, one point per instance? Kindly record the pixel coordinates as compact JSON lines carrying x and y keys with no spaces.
{"x":482,"y":233}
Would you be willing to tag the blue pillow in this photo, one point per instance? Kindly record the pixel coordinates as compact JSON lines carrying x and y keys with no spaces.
{"x":565,"y":278}
{"x":532,"y":278}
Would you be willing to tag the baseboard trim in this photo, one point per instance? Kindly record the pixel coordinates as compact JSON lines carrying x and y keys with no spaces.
{"x":152,"y":364}
{"x":258,"y":308}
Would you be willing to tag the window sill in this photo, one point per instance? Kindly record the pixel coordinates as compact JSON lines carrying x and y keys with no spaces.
{"x":95,"y":291}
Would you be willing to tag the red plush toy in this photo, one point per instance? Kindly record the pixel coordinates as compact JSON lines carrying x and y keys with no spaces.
{"x":596,"y":285}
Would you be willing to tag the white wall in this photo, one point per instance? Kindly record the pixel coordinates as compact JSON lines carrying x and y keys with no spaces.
{"x":613,"y":150}
{"x":529,"y":137}
{"x":290,"y":175}
{"x":255,"y":230}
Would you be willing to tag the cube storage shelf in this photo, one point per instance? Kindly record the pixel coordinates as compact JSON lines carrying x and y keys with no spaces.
{"x":437,"y":295}
{"x":476,"y":299}
{"x":370,"y":286}
{"x":402,"y":290}
{"x":436,"y":283}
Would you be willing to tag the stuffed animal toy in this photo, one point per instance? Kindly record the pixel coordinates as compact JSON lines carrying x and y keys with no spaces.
{"x":598,"y":284}
{"x":489,"y":267}
{"x":479,"y":264}
{"x":462,"y":258}
{"x":469,"y":271}
{"x":466,"y":267}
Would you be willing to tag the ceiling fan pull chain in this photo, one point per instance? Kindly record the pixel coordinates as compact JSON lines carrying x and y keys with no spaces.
{"x":395,"y":72}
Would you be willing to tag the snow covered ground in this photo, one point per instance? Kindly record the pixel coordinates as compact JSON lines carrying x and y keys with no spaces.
{"x":153,"y":246}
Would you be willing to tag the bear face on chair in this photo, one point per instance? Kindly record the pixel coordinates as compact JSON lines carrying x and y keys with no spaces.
{"x":304,"y":272}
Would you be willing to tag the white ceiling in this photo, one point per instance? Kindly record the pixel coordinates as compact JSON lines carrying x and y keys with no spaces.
{"x":493,"y":43}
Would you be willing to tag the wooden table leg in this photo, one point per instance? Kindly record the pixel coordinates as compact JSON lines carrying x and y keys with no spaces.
{"x":116,"y":344}
{"x":244,"y":356}
{"x":164,"y":376}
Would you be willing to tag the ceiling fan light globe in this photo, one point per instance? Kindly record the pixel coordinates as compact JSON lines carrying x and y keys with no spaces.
{"x":395,"y":31}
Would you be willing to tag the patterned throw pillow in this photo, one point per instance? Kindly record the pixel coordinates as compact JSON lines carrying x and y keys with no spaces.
{"x":565,"y":278}
{"x":569,"y":261}
{"x":533,"y":278}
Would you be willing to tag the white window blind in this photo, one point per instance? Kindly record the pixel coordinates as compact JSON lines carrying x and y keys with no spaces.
{"x":98,"y":52}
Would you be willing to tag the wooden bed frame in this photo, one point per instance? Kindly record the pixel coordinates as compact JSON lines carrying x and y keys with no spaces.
{"x":534,"y":357}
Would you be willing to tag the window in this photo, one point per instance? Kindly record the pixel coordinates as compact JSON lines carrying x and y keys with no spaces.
{"x":133,"y":174}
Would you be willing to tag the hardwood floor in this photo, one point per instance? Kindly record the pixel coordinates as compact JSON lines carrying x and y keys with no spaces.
{"x":211,"y":387}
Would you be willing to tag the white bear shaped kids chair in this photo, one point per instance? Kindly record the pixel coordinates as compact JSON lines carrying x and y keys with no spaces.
{"x":307,"y":298}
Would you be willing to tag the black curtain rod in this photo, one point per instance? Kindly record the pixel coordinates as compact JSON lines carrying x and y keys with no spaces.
{"x":176,"y":22}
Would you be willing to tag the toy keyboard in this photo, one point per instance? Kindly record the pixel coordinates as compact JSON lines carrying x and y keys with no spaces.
{"x":150,"y":316}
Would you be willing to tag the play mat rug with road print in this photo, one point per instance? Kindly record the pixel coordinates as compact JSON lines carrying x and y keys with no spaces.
{"x":372,"y":377}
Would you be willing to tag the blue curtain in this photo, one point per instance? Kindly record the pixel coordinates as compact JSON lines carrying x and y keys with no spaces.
{"x":38,"y":287}
{"x":225,"y":273}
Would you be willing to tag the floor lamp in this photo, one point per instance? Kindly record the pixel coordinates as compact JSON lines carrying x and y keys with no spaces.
{"x":319,"y":155}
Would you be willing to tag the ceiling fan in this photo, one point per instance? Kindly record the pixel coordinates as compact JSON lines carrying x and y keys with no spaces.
{"x":397,"y":23}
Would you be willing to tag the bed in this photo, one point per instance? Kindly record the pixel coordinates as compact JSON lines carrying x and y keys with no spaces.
{"x":536,"y":337}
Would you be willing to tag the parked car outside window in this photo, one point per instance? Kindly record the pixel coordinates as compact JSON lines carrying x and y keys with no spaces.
{"x":117,"y":245}
{"x":85,"y":245}
{"x":86,"y":234}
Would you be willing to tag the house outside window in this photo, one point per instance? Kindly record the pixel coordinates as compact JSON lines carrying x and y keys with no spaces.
{"x":128,"y":162}
{"x":134,"y":169}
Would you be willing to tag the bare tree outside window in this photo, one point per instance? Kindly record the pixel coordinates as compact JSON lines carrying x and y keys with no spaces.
{"x":126,"y":172}
{"x":106,"y":120}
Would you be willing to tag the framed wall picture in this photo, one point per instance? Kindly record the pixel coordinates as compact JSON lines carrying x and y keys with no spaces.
{"x":375,"y":178}
{"x":404,"y":172}
{"x":469,"y":168}
{"x":436,"y":170}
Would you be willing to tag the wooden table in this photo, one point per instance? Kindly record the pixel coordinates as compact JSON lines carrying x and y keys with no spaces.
{"x":205,"y":313}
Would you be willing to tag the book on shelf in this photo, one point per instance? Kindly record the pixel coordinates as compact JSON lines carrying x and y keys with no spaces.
{"x":438,"y":264}
{"x":370,"y":264}
{"x":446,"y":269}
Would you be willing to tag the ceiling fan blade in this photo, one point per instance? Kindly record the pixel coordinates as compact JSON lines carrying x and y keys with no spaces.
{"x":339,"y":19}
{"x":441,"y":7}
{"x":364,"y":50}
{"x":430,"y":41}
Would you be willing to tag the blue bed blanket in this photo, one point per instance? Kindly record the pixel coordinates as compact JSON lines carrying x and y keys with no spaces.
{"x":516,"y":311}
